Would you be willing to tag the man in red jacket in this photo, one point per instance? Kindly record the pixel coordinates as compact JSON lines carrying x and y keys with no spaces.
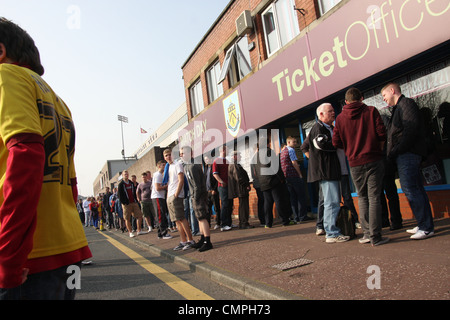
{"x":360,"y":131}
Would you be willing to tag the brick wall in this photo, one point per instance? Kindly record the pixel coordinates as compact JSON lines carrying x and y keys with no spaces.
{"x":440,"y":205}
{"x":216,"y":43}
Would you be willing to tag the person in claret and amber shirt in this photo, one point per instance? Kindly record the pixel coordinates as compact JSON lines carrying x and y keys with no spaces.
{"x":41,"y":234}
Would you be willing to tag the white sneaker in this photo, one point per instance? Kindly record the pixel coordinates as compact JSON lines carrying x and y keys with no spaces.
{"x":226,"y":228}
{"x":320,"y":232}
{"x":419,"y":235}
{"x":339,"y":238}
{"x":132,"y":235}
{"x":364,"y":239}
{"x":167,"y":236}
{"x":150,"y":229}
{"x":413,"y":230}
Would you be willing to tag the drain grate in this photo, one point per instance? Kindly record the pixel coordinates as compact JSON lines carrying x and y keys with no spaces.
{"x":292,"y":264}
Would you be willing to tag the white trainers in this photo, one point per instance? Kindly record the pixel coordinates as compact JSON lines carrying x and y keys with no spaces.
{"x":132,"y":235}
{"x":339,"y":238}
{"x":320,"y":232}
{"x":413,"y":230}
{"x":226,"y":228}
{"x":419,"y":235}
{"x":364,"y":239}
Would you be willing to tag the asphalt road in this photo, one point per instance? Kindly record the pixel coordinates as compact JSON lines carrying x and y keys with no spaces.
{"x":120,"y":270}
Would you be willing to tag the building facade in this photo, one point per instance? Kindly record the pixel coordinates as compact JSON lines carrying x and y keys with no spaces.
{"x":268,"y":64}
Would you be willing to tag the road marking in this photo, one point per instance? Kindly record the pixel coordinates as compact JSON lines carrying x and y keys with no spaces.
{"x":185,"y":289}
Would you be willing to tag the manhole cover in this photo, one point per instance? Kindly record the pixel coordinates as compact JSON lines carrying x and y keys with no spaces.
{"x":292,"y":264}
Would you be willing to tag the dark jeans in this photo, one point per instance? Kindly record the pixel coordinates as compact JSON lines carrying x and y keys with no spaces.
{"x":225,"y":209}
{"x":280,"y":195}
{"x":389,"y":191}
{"x":298,"y":200}
{"x":261,"y":215}
{"x":368,"y":179}
{"x":160,"y":206}
{"x":47,"y":285}
{"x":213,"y":200}
{"x":408,"y":166}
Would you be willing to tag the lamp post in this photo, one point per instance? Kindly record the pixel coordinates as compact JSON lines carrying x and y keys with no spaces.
{"x":122,"y":119}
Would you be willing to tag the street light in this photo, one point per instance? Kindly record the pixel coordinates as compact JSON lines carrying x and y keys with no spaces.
{"x":122,"y":119}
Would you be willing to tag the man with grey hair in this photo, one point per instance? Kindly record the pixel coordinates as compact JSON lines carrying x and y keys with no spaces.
{"x":324,"y":167}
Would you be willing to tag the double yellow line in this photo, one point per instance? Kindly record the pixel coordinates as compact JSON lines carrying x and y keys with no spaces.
{"x":183,"y":288}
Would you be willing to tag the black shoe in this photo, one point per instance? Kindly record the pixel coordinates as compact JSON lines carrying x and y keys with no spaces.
{"x":198,"y":244}
{"x":396,"y":227}
{"x":206,"y":246}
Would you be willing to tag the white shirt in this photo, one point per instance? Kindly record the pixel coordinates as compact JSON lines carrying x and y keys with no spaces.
{"x":174,"y":170}
{"x":157,"y":178}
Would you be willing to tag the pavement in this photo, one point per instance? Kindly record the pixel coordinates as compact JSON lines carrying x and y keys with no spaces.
{"x":293,"y":263}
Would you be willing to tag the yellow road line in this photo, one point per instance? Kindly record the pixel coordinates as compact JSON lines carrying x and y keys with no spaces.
{"x":185,"y":289}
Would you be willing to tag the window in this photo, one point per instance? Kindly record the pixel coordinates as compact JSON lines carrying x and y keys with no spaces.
{"x":280,"y":25}
{"x":215,"y":89}
{"x":326,"y":5}
{"x":196,"y":98}
{"x":237,"y":63}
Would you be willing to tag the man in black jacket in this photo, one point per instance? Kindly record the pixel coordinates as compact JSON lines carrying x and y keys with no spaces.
{"x":272,"y":183}
{"x":406,"y":145}
{"x":324,"y":167}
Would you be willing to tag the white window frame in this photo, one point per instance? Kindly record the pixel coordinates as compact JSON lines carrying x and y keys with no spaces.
{"x":215,"y":90}
{"x":238,"y":53}
{"x":196,"y":94}
{"x":327,"y":5}
{"x":285,"y":25}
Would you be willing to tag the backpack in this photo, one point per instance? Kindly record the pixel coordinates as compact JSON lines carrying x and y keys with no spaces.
{"x":345,"y":222}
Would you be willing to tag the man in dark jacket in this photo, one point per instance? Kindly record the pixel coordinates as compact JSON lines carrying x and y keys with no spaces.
{"x":267,"y":169}
{"x":197,"y":189}
{"x":361,"y":133}
{"x":239,"y":187}
{"x":324,"y":167}
{"x":128,"y":199}
{"x":213,"y":193}
{"x":407,"y":146}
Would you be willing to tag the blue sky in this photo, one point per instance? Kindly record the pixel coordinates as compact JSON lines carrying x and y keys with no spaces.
{"x":106,"y":58}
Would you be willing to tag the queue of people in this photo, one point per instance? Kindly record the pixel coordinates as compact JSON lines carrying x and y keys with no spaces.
{"x":183,"y":196}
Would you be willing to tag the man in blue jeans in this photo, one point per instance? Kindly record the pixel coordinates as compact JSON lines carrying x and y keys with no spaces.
{"x":406,"y":145}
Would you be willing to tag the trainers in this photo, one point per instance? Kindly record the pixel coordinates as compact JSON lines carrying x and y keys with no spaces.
{"x":339,"y":238}
{"x":413,"y":230}
{"x":320,"y":232}
{"x":188,"y":245}
{"x":197,"y":245}
{"x":380,"y":241}
{"x":179,"y":247}
{"x":419,"y":235}
{"x":226,"y":228}
{"x":166,"y":236}
{"x":216,"y":227}
{"x":364,"y":239}
{"x":206,"y":246}
{"x":132,"y":235}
